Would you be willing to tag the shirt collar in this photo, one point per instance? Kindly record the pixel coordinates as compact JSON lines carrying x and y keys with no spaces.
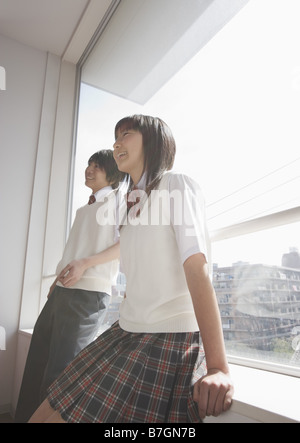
{"x":142,"y":183}
{"x":102,"y":192}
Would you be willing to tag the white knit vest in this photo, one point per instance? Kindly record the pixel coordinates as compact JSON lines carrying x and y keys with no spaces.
{"x":88,"y":237}
{"x":157,"y":296}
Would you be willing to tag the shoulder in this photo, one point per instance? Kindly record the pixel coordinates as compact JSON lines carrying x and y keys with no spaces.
{"x":189,"y":190}
{"x":175,"y":180}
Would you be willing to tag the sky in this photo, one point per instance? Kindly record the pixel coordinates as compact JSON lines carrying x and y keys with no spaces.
{"x":234,"y":110}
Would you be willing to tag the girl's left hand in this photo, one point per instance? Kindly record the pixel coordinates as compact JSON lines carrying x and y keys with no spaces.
{"x":213,"y":393}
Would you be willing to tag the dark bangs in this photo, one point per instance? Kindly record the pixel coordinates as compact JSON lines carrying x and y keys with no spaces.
{"x":158,"y":143}
{"x":127,"y":123}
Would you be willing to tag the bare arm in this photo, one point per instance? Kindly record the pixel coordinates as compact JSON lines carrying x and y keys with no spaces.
{"x":74,"y":270}
{"x":213,"y":392}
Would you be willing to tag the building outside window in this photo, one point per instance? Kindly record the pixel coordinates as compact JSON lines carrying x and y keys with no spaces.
{"x":260,"y":309}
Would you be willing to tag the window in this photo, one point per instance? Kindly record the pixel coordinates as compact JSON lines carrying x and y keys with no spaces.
{"x":257,"y":282}
{"x":234,"y":110}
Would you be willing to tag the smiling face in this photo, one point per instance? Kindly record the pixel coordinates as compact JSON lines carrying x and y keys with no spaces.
{"x":129,"y":153}
{"x":95,"y":177}
{"x":144,"y":145}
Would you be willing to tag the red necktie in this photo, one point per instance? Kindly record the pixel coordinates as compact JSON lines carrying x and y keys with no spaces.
{"x":136,"y":200}
{"x":92,"y":199}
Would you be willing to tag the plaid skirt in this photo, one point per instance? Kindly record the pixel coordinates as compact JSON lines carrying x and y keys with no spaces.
{"x":125,"y":377}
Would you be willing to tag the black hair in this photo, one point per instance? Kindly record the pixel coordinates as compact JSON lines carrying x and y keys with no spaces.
{"x":105,"y":160}
{"x":158,"y":144}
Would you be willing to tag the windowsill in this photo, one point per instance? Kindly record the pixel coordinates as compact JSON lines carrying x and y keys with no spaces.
{"x":260,"y":396}
{"x":26,"y":332}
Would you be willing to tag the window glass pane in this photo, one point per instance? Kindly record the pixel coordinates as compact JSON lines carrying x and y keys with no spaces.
{"x":257,"y":282}
{"x":234,"y":110}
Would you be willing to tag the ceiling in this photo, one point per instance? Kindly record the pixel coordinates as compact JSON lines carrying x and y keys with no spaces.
{"x":50,"y":25}
{"x":66,"y":27}
{"x":146,"y":42}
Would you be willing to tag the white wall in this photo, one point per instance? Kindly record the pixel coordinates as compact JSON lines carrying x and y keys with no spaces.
{"x":20,"y":110}
{"x":35,"y":150}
